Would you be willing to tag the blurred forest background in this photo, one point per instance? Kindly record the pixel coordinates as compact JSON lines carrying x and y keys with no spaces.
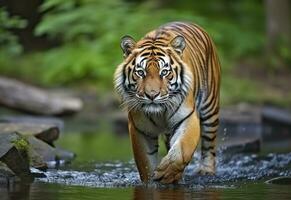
{"x":75,"y":43}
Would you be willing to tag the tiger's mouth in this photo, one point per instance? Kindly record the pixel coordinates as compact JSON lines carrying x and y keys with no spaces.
{"x":153,"y":108}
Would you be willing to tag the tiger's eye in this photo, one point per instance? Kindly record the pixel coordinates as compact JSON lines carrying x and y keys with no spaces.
{"x":164,"y":72}
{"x":140,"y":72}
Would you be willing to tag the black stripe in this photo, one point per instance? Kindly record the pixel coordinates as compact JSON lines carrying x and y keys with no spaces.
{"x":133,"y":62}
{"x":159,"y":54}
{"x":211,"y":124}
{"x":205,"y":154}
{"x":160,"y":44}
{"x":207,"y":148}
{"x":151,"y":119}
{"x":142,"y":132}
{"x":128,"y":74}
{"x":208,"y":138}
{"x":145,"y":45}
{"x":162,"y":59}
{"x":194,"y":32}
{"x":209,"y":102}
{"x":171,"y":61}
{"x":176,"y":110}
{"x":174,"y":84}
{"x":145,"y":54}
{"x":181,"y":121}
{"x":206,"y":117}
{"x":211,"y":106}
{"x":124,"y":76}
{"x":198,"y":96}
{"x":143,"y":59}
{"x":209,"y":132}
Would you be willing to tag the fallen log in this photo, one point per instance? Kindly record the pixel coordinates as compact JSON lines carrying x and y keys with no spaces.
{"x":20,"y":96}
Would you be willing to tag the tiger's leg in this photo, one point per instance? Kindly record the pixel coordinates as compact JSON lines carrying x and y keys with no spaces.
{"x":182,"y":146}
{"x":145,"y":151}
{"x":209,"y":124}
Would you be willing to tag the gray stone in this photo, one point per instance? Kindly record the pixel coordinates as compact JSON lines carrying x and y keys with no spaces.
{"x":45,"y":132}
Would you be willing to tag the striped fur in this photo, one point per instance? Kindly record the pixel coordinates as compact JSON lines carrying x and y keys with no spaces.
{"x":169,"y":82}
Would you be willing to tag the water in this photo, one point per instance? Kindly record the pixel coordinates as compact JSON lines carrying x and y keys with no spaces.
{"x":241,"y":176}
{"x":45,"y":191}
{"x":104,"y":169}
{"x":231,"y":169}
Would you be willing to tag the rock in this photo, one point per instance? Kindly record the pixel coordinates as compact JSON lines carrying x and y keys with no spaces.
{"x":276,"y":114}
{"x":44,"y":132}
{"x":35,"y":100}
{"x":276,"y":126}
{"x":14,"y":153}
{"x":242,"y":145}
{"x":280,"y":180}
{"x":29,"y":119}
{"x":64,"y":155}
{"x":24,"y":144}
{"x":41,"y":153}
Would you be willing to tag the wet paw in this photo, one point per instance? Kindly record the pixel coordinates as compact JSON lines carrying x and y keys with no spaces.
{"x":168,"y":171}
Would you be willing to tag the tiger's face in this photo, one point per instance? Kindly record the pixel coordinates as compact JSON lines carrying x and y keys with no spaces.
{"x":151,"y":78}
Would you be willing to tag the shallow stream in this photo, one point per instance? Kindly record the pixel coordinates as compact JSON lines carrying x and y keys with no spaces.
{"x":239,"y":176}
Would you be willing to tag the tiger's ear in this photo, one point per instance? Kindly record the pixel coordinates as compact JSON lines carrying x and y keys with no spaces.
{"x":179,"y":44}
{"x":127,"y":44}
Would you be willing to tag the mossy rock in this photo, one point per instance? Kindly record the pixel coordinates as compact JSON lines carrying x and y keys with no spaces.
{"x":14,"y":150}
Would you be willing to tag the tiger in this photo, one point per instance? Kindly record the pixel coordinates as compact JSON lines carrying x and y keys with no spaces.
{"x":169,"y":84}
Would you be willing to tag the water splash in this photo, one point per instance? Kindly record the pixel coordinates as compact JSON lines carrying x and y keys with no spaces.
{"x":230,"y":169}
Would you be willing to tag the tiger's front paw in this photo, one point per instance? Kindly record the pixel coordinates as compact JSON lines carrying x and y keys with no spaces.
{"x":169,"y":171}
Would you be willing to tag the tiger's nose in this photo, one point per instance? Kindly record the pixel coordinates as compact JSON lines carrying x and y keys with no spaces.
{"x":152,"y":94}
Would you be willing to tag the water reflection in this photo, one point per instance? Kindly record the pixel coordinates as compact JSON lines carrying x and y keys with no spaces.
{"x":15,"y":192}
{"x":50,"y":191}
{"x":142,"y":193}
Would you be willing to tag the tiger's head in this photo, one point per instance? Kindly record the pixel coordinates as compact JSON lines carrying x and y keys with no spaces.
{"x":153,"y":76}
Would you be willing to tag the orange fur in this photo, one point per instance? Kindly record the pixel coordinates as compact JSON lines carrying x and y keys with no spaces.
{"x":169,"y":81}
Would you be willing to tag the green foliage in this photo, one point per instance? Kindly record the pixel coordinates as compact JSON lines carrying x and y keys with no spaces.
{"x":90,"y":32}
{"x":88,"y":35}
{"x":8,"y":41}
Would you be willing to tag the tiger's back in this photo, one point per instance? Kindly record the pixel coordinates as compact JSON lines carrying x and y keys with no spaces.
{"x":184,"y":99}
